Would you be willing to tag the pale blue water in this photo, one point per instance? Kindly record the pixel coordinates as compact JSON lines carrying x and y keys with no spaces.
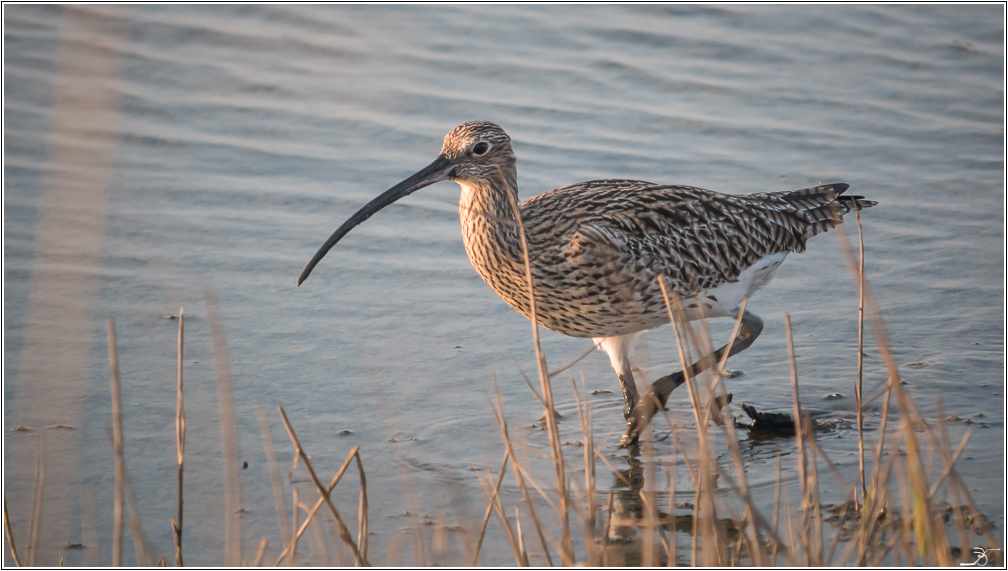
{"x":242,"y":136}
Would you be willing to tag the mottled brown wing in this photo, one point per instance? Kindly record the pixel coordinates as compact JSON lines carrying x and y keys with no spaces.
{"x":694,"y":237}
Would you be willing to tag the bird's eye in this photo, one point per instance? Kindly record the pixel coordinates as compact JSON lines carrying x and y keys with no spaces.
{"x":480,"y":148}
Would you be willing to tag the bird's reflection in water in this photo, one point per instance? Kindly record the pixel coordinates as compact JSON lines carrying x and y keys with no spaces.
{"x":625,"y":538}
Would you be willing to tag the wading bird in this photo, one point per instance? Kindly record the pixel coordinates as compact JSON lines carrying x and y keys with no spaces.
{"x":597,"y":249}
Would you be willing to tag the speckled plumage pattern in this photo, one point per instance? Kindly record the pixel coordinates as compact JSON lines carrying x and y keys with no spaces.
{"x":597,"y":248}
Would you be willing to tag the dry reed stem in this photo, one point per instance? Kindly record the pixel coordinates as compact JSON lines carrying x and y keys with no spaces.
{"x":672,"y":511}
{"x":498,"y":508}
{"x":754,"y":514}
{"x":145,"y":552}
{"x":909,"y":410}
{"x":817,"y":542}
{"x":509,"y":449}
{"x":528,"y":383}
{"x":860,"y":360}
{"x":585,"y":416}
{"x":117,"y":448}
{"x":38,"y":496}
{"x":605,"y":535}
{"x":89,"y":527}
{"x":489,"y":509}
{"x":574,"y":361}
{"x":567,"y":552}
{"x":275,"y":479}
{"x":10,"y":534}
{"x":229,"y":432}
{"x":704,"y":508}
{"x":143,"y":547}
{"x":646,"y":494}
{"x":776,"y":513}
{"x":684,"y":359}
{"x":731,"y":438}
{"x":538,"y":488}
{"x":521,"y":541}
{"x":362,"y":508}
{"x":803,"y":470}
{"x":180,"y":438}
{"x":292,"y":561}
{"x":260,"y":552}
{"x":319,"y":550}
{"x":344,"y":532}
{"x":874,"y":509}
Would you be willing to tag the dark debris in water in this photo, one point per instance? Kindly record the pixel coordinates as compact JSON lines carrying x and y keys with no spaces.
{"x":846,"y":518}
{"x":773,"y":424}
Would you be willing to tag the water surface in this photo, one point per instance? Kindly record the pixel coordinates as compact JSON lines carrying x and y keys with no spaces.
{"x":154,"y":151}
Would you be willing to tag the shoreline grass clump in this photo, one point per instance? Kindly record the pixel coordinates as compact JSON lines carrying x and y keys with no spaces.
{"x":897,"y":519}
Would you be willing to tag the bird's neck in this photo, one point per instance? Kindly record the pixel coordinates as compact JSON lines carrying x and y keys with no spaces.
{"x":490,"y":233}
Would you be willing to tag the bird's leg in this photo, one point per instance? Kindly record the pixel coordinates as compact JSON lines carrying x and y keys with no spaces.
{"x":618,"y":349}
{"x":630,"y":397}
{"x":656,"y":398}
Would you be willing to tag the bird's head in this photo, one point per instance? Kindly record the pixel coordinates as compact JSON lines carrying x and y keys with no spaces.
{"x":472,"y":152}
{"x":478,"y":151}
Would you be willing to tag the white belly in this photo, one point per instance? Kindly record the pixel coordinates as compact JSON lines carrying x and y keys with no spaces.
{"x":724,"y":300}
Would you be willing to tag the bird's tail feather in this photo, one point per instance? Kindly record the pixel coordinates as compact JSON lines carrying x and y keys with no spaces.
{"x":822,"y":207}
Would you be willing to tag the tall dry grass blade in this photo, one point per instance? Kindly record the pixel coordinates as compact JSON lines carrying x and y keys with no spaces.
{"x":276,"y":478}
{"x":776,"y":513}
{"x":498,"y":411}
{"x":260,"y":552}
{"x":573,"y":361}
{"x":498,"y":507}
{"x":647,"y":497}
{"x":909,"y":410}
{"x":521,"y":541}
{"x":362,"y":509}
{"x":588,"y":430}
{"x":584,"y":415}
{"x":605,"y":532}
{"x":180,"y":438}
{"x":145,"y":552}
{"x":817,"y":537}
{"x":489,"y":509}
{"x":860,"y":360}
{"x":295,"y":512}
{"x":567,"y":552}
{"x":229,"y":432}
{"x":803,"y":469}
{"x":672,"y":512}
{"x":117,"y":448}
{"x":319,"y":551}
{"x":751,"y":515}
{"x":38,"y":497}
{"x":10,"y":534}
{"x":684,"y":358}
{"x":874,"y":510}
{"x":704,"y":508}
{"x":323,"y":491}
{"x":89,"y":527}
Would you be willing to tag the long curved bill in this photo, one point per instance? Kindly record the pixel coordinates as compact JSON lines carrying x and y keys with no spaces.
{"x":437,"y":171}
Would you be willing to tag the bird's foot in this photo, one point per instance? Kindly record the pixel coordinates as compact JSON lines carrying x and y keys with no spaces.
{"x":632,"y":434}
